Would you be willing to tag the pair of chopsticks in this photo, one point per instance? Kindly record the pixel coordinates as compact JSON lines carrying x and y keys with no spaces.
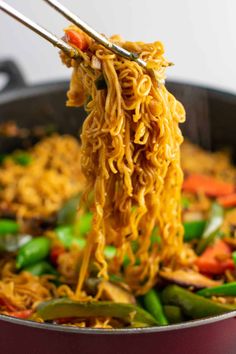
{"x":61,"y":44}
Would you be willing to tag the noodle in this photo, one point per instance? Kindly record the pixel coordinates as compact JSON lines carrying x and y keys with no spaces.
{"x":130,"y":158}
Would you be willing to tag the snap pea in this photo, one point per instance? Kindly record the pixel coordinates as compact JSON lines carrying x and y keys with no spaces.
{"x":228,"y":289}
{"x":63,"y":308}
{"x":32,"y":252}
{"x":173,"y":314}
{"x":153,"y":305}
{"x":68,"y":213}
{"x":8,"y":227}
{"x":211,"y":228}
{"x":193,"y":305}
{"x":193,"y":229}
{"x":40,"y":268}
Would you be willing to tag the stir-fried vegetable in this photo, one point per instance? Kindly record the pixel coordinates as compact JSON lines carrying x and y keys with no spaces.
{"x":228,"y":200}
{"x":153,"y":305}
{"x":77,"y":38}
{"x":215,"y":221}
{"x":193,"y":229}
{"x":68,"y":213}
{"x":193,"y":305}
{"x":8,"y":226}
{"x":210,"y":186}
{"x":40,"y":268}
{"x":32,"y":252}
{"x":63,"y":308}
{"x":216,"y":259}
{"x":173,"y":314}
{"x":22,"y":158}
{"x":228,"y":289}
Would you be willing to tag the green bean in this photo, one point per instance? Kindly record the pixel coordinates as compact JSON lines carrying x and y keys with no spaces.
{"x":173,"y":314}
{"x":40,"y":268}
{"x":193,"y":305}
{"x":8,"y":227}
{"x":32,"y":252}
{"x":152,"y":304}
{"x":228,"y":289}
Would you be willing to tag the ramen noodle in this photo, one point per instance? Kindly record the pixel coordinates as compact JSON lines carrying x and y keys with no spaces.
{"x":130,"y":158}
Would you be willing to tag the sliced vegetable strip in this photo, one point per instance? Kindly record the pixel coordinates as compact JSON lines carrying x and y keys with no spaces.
{"x":216,"y":259}
{"x":193,"y":305}
{"x":193,"y":229}
{"x":8,"y":226}
{"x":221,"y":290}
{"x":228,"y":200}
{"x":215,"y":221}
{"x":77,"y":38}
{"x":63,"y":308}
{"x":210,"y":186}
{"x":153,"y":305}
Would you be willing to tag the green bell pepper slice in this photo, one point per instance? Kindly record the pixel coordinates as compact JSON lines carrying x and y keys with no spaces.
{"x":63,"y":308}
{"x":193,"y":229}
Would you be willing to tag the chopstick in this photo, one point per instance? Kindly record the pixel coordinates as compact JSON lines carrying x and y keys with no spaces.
{"x":57,"y":42}
{"x":94,"y":34}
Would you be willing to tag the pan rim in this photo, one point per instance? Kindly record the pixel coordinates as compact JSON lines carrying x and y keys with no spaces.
{"x":120,"y":331}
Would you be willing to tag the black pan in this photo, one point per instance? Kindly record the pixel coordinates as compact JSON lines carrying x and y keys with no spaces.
{"x":212,"y":124}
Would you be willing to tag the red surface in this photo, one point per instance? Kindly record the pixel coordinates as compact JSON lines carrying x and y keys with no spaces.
{"x":216,"y":338}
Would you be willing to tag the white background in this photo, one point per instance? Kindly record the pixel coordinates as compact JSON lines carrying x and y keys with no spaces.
{"x":199,"y":35}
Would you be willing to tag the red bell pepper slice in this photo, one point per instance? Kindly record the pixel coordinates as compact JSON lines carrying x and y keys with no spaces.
{"x":55,"y":252}
{"x":77,"y":38}
{"x":209,"y":185}
{"x":227,"y":201}
{"x":24,"y":314}
{"x":216,"y":259}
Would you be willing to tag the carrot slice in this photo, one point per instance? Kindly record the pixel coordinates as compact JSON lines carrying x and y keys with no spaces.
{"x":228,"y":200}
{"x":208,"y":185}
{"x":77,"y":38}
{"x":216,"y":259}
